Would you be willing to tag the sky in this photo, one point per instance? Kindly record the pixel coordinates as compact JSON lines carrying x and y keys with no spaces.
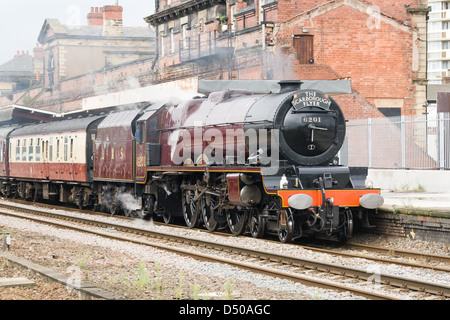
{"x":21,"y":20}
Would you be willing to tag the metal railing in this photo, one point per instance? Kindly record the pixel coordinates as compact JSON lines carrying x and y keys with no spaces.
{"x":203,"y":45}
{"x":404,"y":142}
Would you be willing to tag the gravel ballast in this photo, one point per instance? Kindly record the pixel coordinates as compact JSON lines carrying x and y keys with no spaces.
{"x":140,"y":272}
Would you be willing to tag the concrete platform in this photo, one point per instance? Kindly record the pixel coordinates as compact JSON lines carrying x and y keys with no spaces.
{"x":86,"y":290}
{"x":16,"y":282}
{"x":427,"y":203}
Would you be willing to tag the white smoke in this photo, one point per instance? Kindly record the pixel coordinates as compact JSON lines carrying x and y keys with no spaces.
{"x":127,"y":201}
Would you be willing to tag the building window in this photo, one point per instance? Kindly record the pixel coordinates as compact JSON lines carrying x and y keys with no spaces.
{"x":304,"y":47}
{"x":434,"y":26}
{"x":434,"y":46}
{"x":184,"y":34}
{"x":172,"y":41}
{"x":434,"y":65}
{"x":162,"y":46}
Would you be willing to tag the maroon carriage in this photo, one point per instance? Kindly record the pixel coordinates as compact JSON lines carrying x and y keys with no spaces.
{"x":43,"y":157}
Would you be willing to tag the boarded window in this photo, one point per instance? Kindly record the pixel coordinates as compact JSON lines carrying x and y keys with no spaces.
{"x":304,"y":46}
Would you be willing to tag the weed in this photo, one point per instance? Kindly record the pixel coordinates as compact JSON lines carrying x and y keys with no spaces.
{"x":82,"y":259}
{"x":228,"y":290}
{"x":395,"y":210}
{"x":196,"y":291}
{"x":179,"y":293}
{"x":141,"y":275}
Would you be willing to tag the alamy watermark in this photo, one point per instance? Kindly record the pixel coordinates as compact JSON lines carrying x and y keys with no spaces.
{"x":375,"y":278}
{"x":74,"y":280}
{"x":374,"y":21}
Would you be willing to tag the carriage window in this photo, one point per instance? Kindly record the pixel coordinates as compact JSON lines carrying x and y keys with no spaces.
{"x":140,"y":132}
{"x":57,"y":148}
{"x":38,"y":149}
{"x":18,"y":151}
{"x":65,"y":148}
{"x":153,"y":129}
{"x":71,"y":148}
{"x":30,"y":150}
{"x":24,"y":150}
{"x":50,"y":150}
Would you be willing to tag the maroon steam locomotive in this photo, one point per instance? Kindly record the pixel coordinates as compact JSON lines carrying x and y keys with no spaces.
{"x":249,"y":163}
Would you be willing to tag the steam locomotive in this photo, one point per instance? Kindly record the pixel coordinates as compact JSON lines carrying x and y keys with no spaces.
{"x":263,"y":164}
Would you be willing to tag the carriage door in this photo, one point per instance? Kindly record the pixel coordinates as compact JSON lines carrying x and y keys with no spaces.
{"x":304,"y":47}
{"x":140,"y":149}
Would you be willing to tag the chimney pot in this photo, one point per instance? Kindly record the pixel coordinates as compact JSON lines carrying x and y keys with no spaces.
{"x":95,"y":18}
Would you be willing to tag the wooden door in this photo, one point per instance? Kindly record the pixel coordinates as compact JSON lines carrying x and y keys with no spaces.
{"x":304,"y":46}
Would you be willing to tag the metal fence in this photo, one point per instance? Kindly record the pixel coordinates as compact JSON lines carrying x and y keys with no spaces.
{"x":404,"y":142}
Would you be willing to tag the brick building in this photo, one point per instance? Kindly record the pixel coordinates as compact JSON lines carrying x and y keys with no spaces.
{"x":379,"y":45}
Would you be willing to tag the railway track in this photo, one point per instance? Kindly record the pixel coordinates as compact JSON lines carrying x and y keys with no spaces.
{"x":309,"y":272}
{"x":384,"y":255}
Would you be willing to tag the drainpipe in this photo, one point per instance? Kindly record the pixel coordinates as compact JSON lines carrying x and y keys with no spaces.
{"x":157,"y":47}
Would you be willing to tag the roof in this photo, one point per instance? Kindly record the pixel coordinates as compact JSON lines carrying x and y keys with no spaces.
{"x":183,"y":9}
{"x":21,"y":114}
{"x":19,"y":66}
{"x":120,"y":118}
{"x":61,"y":30}
{"x":434,"y":89}
{"x":56,"y":126}
{"x":4,"y":131}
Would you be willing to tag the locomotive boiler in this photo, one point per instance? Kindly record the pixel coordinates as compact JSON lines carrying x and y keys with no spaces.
{"x":256,"y":163}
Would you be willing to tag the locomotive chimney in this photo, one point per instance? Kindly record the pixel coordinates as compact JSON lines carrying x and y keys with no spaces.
{"x":289,"y":85}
